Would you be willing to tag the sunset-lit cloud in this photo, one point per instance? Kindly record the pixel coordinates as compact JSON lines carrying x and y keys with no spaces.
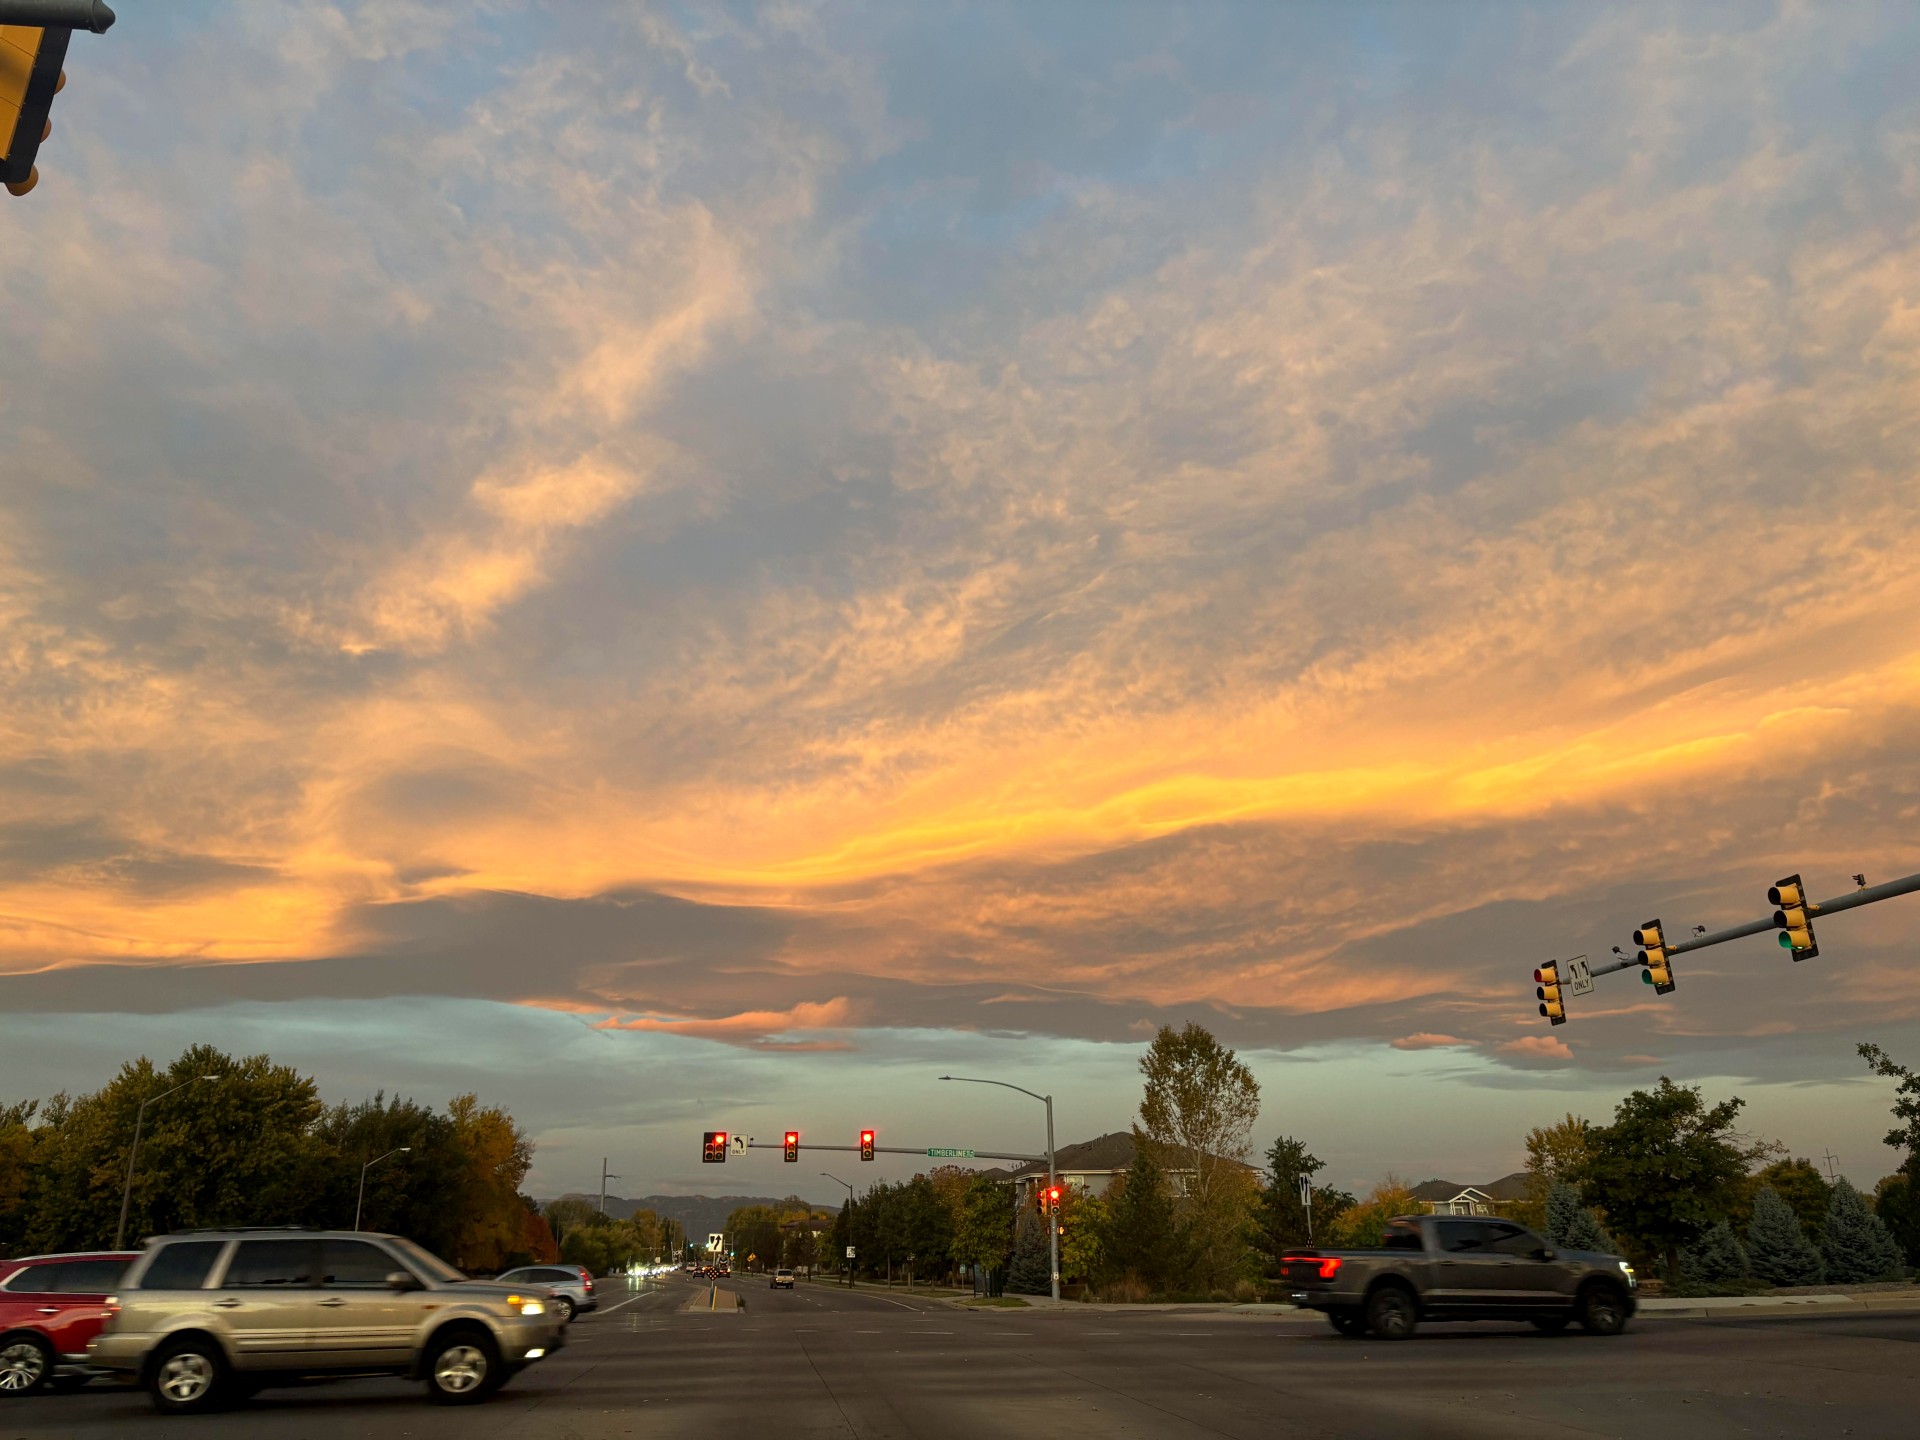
{"x":706,"y":525}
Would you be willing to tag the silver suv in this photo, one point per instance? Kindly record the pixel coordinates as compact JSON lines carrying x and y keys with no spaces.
{"x":214,"y":1315}
{"x":571,"y":1285}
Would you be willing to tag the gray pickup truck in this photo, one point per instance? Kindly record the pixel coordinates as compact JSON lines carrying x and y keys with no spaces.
{"x":1456,"y":1267}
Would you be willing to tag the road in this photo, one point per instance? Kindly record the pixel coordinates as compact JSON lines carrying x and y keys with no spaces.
{"x":821,"y":1362}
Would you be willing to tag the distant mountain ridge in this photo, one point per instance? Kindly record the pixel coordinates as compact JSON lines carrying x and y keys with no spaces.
{"x":701,"y":1215}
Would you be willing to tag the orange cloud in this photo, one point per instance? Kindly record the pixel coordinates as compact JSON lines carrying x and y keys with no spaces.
{"x":1537,"y":1046}
{"x":755,"y":1029}
{"x":1425,"y":1040}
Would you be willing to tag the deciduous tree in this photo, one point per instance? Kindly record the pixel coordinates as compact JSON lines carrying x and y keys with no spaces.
{"x":1667,"y":1167}
{"x":1197,"y":1112}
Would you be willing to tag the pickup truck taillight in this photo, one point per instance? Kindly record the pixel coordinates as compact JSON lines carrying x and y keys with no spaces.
{"x":1328,"y":1266}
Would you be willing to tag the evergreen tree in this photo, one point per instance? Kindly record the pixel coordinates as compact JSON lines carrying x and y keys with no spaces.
{"x":1857,"y":1246}
{"x":1032,"y":1271}
{"x":1898,"y":1206}
{"x":1777,"y":1246}
{"x":1718,"y":1260}
{"x":1144,"y":1239}
{"x":1570,"y":1224}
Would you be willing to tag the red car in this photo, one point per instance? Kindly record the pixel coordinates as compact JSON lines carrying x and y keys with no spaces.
{"x":50,"y":1307}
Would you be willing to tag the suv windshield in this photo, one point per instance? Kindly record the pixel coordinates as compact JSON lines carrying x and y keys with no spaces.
{"x":427,"y":1263}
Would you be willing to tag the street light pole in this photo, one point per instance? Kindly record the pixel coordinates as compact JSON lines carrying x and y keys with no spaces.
{"x":361,"y":1198}
{"x":133,"y":1154}
{"x":838,"y":1181}
{"x":1053,"y":1220}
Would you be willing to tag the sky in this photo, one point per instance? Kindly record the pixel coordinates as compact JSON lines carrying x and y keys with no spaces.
{"x":700,"y":567}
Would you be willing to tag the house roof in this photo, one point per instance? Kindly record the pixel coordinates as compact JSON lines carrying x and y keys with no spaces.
{"x":1101,"y":1155}
{"x":1507,"y":1187}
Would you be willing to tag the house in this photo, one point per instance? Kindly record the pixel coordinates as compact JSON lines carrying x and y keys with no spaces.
{"x":1445,"y":1197}
{"x":1090,"y":1167}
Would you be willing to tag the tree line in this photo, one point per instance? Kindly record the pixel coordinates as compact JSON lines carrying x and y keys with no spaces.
{"x":1671,"y":1183}
{"x":606,"y":1245}
{"x":245,"y":1141}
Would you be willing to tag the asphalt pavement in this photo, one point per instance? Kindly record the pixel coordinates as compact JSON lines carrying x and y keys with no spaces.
{"x":824,"y":1362}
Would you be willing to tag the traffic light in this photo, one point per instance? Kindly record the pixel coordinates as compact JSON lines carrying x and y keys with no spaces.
{"x":1547,"y":978}
{"x":1795,"y":918}
{"x":1653,"y":955}
{"x":866,"y":1144}
{"x":1053,"y":1199}
{"x":713,"y":1151}
{"x":33,"y":47}
{"x":792,"y":1150}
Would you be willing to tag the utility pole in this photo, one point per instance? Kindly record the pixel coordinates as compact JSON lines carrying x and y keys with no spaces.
{"x":1831,"y":1160}
{"x":605,"y":1175}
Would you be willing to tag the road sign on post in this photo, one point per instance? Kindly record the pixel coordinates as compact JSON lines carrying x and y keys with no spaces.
{"x":849,"y":1252}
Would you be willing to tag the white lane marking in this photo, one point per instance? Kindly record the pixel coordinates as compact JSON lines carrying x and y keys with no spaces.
{"x":611,"y":1308}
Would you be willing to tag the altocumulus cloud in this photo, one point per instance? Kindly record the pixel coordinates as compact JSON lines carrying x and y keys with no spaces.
{"x":737,"y":527}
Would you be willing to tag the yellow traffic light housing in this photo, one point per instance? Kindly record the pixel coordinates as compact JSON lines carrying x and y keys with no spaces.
{"x":1547,"y":979}
{"x":1655,"y":956}
{"x":30,"y":60}
{"x":1794,"y":918}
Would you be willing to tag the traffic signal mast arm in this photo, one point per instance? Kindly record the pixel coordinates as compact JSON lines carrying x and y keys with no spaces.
{"x":1866,"y":895}
{"x":922,"y":1152}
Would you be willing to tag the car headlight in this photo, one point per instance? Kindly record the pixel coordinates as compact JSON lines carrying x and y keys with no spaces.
{"x":527,"y":1305}
{"x":1627,"y":1270}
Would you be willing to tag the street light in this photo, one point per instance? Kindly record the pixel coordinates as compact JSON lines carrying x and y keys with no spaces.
{"x":361,"y":1197}
{"x":1053,"y":1221}
{"x":139,"y":1120}
{"x":838,"y":1181}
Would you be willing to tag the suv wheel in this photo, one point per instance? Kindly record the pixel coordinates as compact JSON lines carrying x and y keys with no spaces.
{"x":26,"y":1364}
{"x":1603,"y":1311}
{"x":462,"y":1368}
{"x":187,"y":1376}
{"x":565,"y":1306}
{"x":1391,"y":1314}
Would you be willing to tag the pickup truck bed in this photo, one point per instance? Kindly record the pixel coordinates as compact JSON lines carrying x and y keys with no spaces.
{"x":1448,"y":1267}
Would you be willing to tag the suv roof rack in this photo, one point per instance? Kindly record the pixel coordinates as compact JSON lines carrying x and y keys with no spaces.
{"x":246,"y":1230}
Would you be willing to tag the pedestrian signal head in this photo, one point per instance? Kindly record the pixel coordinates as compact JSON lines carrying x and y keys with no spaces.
{"x":1547,"y":979}
{"x":713,"y":1148}
{"x":1654,"y":954}
{"x":866,"y":1144}
{"x":1794,"y":917}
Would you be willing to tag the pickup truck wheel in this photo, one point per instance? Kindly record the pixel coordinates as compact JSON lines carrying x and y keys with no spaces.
{"x":1603,"y":1310}
{"x":1346,"y":1323}
{"x":1391,"y":1314}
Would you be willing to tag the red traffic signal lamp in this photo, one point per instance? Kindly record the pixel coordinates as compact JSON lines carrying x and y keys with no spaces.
{"x":866,"y":1144}
{"x":791,"y":1150}
{"x":1655,"y":955}
{"x":1050,"y":1199}
{"x":1795,"y":918}
{"x":1547,"y":978}
{"x":713,"y":1148}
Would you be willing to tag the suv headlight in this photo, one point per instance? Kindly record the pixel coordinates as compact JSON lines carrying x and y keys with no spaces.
{"x":527,"y":1304}
{"x":1627,"y":1270}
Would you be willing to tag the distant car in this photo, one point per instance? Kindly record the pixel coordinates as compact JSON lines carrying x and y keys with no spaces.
{"x":571,"y":1285}
{"x":50,"y":1307}
{"x":209,"y":1315}
{"x":782,"y":1279}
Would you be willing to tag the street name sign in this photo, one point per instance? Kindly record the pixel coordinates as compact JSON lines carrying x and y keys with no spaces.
{"x":943,"y":1154}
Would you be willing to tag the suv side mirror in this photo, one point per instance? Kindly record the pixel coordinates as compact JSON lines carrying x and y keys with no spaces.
{"x":401,"y":1280}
